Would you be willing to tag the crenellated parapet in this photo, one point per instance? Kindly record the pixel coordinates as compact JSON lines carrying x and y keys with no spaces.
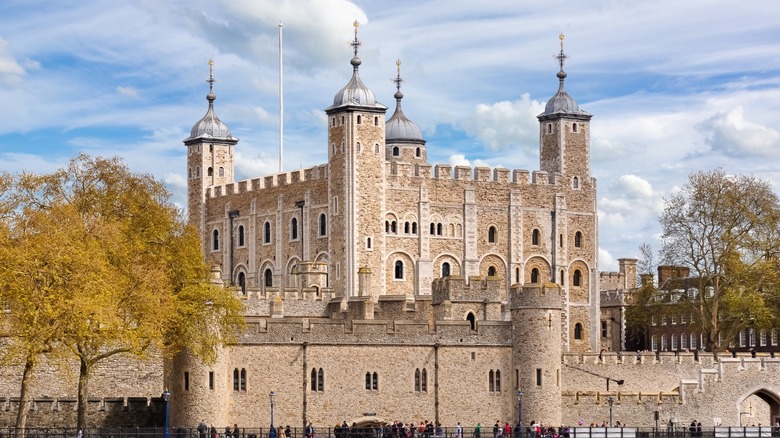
{"x":455,"y":288}
{"x":316,"y":173}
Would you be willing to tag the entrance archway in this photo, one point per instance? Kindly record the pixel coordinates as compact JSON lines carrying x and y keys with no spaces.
{"x":759,"y":406}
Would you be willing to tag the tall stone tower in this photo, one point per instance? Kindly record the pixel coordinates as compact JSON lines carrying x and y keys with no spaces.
{"x":209,"y":159}
{"x":356,"y":181}
{"x":536,"y":351}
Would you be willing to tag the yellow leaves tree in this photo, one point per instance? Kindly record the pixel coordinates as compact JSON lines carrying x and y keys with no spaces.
{"x":725,"y":229}
{"x":125,"y":275}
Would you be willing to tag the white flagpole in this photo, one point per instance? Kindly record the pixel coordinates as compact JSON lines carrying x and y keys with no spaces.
{"x":281,"y":101}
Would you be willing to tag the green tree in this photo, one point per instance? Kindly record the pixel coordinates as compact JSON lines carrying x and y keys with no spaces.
{"x":127,"y":275}
{"x":725,"y":229}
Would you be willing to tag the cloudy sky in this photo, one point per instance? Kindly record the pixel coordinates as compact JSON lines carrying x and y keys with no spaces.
{"x":674,"y":86}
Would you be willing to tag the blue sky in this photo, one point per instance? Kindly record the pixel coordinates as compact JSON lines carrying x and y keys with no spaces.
{"x":674,"y":86}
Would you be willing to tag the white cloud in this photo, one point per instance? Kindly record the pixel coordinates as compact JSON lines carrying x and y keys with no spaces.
{"x":505,"y":124}
{"x":729,"y":133}
{"x":127,"y":91}
{"x":606,"y":261}
{"x":458,"y":160}
{"x":11,"y":71}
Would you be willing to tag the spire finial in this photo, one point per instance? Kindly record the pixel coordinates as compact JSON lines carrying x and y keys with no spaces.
{"x":561,"y":57}
{"x":356,"y":43}
{"x":211,"y":79}
{"x":398,"y":78}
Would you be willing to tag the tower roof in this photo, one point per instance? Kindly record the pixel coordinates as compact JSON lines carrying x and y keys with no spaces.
{"x":355,"y":93}
{"x":210,"y":126}
{"x":562,"y":103}
{"x":399,"y":127}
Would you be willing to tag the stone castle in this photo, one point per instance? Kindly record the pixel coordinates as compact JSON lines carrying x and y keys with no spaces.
{"x":379,"y":287}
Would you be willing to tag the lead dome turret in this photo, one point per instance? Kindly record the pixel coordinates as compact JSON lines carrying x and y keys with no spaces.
{"x":403,"y":139}
{"x":210,"y":126}
{"x":355,"y":93}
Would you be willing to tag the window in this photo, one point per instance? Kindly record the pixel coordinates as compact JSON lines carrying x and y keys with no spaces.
{"x":267,"y":232}
{"x":577,"y":280}
{"x":653,"y":320}
{"x":417,"y":380}
{"x":674,"y":342}
{"x":578,"y":331}
{"x":387,"y":227}
{"x":197,"y":171}
{"x":663,"y":319}
{"x":420,"y":380}
{"x":742,"y":338}
{"x":664,"y":343}
{"x":210,"y":171}
{"x":336,"y":205}
{"x":211,"y":380}
{"x":407,"y":227}
{"x":472,"y":321}
{"x":268,"y":278}
{"x":684,"y":341}
{"x":433,"y":229}
{"x":438,"y":229}
{"x":538,"y":377}
{"x":333,"y":121}
{"x":399,"y":270}
{"x":751,"y":337}
{"x":393,"y":227}
{"x":494,"y":381}
{"x":535,"y":237}
{"x":222,"y":171}
{"x":372,"y":381}
{"x":242,"y":381}
{"x":445,"y":269}
{"x":549,"y":128}
{"x":414,"y":227}
{"x":534,"y":275}
{"x":376,"y":121}
{"x":359,"y":119}
{"x":517,"y":275}
{"x":235,"y":380}
{"x":396,"y":151}
{"x":215,"y":240}
{"x":294,"y":229}
{"x":673,"y":318}
{"x":317,"y":380}
{"x":773,"y":337}
{"x":424,"y":381}
{"x":574,"y":127}
{"x":323,"y":225}
{"x":368,"y":243}
{"x":492,"y":235}
{"x":693,"y":341}
{"x":654,"y":343}
{"x":603,"y":329}
{"x":189,"y":172}
{"x":186,"y":380}
{"x":575,"y":182}
{"x":578,"y":239}
{"x":683,"y":318}
{"x":242,"y":282}
{"x":358,"y":146}
{"x":417,"y":152}
{"x":240,"y":235}
{"x":491,"y":271}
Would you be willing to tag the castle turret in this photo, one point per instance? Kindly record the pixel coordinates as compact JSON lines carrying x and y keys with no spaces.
{"x":209,"y":159}
{"x":536,"y":350}
{"x":564,"y":133}
{"x":403,"y":138}
{"x":356,"y":186}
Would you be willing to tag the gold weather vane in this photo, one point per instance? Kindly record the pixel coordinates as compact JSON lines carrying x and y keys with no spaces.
{"x":355,"y":44}
{"x":398,"y":79}
{"x":211,"y":79}
{"x":561,"y":56}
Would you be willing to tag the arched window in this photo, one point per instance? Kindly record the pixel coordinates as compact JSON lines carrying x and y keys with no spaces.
{"x":294,"y":229}
{"x":320,"y":380}
{"x":396,"y":151}
{"x":576,"y":183}
{"x":242,"y":282}
{"x":577,"y":278}
{"x":268,"y":278}
{"x":236,"y":386}
{"x":197,"y":171}
{"x":417,"y":152}
{"x":323,"y":225}
{"x":313,"y":379}
{"x":417,"y":380}
{"x":517,"y":275}
{"x":438,"y":229}
{"x":433,"y":228}
{"x":376,"y":121}
{"x":359,"y":119}
{"x":333,"y":121}
{"x":267,"y":232}
{"x":574,"y":127}
{"x":535,"y":237}
{"x":578,"y":239}
{"x":368,"y":242}
{"x":491,"y":381}
{"x":549,"y":128}
{"x":221,"y":171}
{"x":189,"y":172}
{"x":424,"y":381}
{"x":445,"y":269}
{"x":215,"y":240}
{"x":210,"y":171}
{"x":394,"y":227}
{"x":240,"y":235}
{"x":492,"y":234}
{"x":407,"y":227}
{"x":491,"y":271}
{"x":414,"y":227}
{"x":358,"y":146}
{"x":664,"y":343}
{"x":242,"y":383}
{"x":376,"y":148}
{"x":472,"y":321}
{"x":578,"y":331}
{"x":534,"y":275}
{"x":399,"y":270}
{"x":387,"y":226}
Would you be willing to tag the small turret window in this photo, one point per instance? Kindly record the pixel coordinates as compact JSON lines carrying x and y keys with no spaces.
{"x":240,"y":235}
{"x":376,"y":121}
{"x":549,"y":128}
{"x":575,"y":182}
{"x":359,"y":119}
{"x":417,"y":152}
{"x":358,"y":146}
{"x":189,"y":173}
{"x":574,"y":127}
{"x":376,"y":148}
{"x":342,"y":120}
{"x":197,"y":171}
{"x":396,"y":151}
{"x":267,"y":233}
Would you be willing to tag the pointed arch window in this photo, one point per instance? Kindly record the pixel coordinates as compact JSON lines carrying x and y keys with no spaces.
{"x":323,"y":225}
{"x":399,"y":270}
{"x":268,"y":278}
{"x":417,"y":380}
{"x":424,"y":380}
{"x":535,"y":237}
{"x":317,"y":380}
{"x":215,"y":240}
{"x":492,"y":234}
{"x":472,"y":321}
{"x":534,"y":275}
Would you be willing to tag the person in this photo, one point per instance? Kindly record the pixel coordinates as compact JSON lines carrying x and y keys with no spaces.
{"x":507,"y":430}
{"x":288,"y":431}
{"x":518,"y":430}
{"x":236,"y":431}
{"x":692,"y":428}
{"x":202,"y":428}
{"x":459,"y":431}
{"x":214,"y":433}
{"x":532,"y":429}
{"x":496,"y":430}
{"x":228,"y":432}
{"x":478,"y":431}
{"x":310,"y":430}
{"x":698,"y":428}
{"x":282,"y":433}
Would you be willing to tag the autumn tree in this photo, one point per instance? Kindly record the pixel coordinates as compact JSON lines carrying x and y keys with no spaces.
{"x":122,"y":272}
{"x":725,"y":229}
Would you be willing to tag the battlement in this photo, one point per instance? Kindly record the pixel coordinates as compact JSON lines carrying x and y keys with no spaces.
{"x":315,"y":173}
{"x":101,"y":412}
{"x":546,"y":296}
{"x":455,"y":288}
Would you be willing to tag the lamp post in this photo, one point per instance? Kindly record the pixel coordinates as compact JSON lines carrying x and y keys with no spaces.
{"x":272,"y":434}
{"x":610,"y":400}
{"x":520,"y":411}
{"x":166,"y":395}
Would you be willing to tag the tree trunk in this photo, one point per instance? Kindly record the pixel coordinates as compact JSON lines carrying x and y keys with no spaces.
{"x":24,"y":397}
{"x":84,"y":369}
